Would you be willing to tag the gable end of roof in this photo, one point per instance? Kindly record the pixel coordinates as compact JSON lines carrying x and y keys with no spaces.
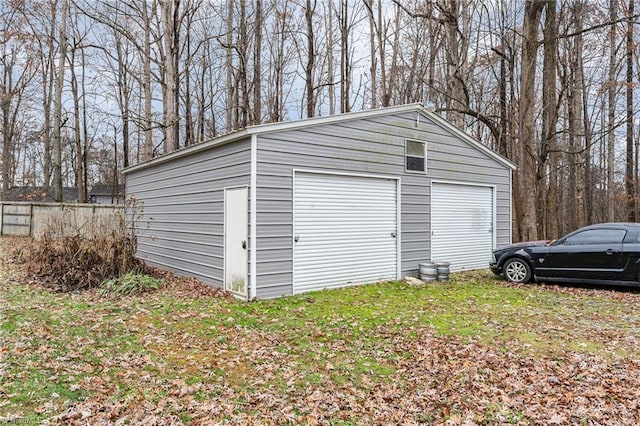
{"x":317,"y":121}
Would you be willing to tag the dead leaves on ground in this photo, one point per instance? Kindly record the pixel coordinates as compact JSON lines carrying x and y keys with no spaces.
{"x":189,"y":355}
{"x":436,"y":380}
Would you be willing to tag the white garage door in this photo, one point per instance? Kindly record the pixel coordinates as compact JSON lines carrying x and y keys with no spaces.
{"x":345,"y":231}
{"x":462,"y":218}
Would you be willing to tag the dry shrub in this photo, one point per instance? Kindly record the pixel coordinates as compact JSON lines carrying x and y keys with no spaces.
{"x":76,"y":263}
{"x":79,"y":254}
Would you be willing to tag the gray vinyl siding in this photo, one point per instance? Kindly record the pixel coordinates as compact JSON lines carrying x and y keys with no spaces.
{"x":182,"y":203}
{"x":370,"y":146}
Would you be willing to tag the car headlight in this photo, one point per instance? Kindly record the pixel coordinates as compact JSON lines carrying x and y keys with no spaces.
{"x":493,"y":257}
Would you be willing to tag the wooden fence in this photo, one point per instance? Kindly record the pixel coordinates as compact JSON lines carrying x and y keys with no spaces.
{"x":61,"y":219}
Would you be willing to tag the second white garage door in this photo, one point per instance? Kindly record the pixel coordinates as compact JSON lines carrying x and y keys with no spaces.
{"x":462,"y":218}
{"x":345,"y":230}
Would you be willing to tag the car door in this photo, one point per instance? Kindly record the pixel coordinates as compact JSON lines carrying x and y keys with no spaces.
{"x":591,"y":254}
{"x":631,"y":257}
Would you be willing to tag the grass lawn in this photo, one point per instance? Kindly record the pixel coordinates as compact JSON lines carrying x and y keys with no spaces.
{"x":473,"y":350}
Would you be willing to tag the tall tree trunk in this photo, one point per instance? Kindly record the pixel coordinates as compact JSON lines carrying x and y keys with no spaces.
{"x":514,"y":149}
{"x":242,"y":82}
{"x":611,"y":112}
{"x":276,"y":100}
{"x":79,"y":173}
{"x":587,"y":180}
{"x":629,"y":177}
{"x":57,"y":107}
{"x":257,"y":66}
{"x":48,"y":76}
{"x":345,"y":58}
{"x":123,"y":101}
{"x":146,"y":81}
{"x":433,"y":54}
{"x":330,"y":82}
{"x":373,"y":65}
{"x":455,"y":92}
{"x":311,"y":58}
{"x":550,"y":119}
{"x":7,"y":133}
{"x":189,"y":136}
{"x":576,"y":129}
{"x":171,"y":142}
{"x":204,"y":64}
{"x":175,"y":56}
{"x":527,"y":171}
{"x":85,"y":127}
{"x":502,"y":143}
{"x":230,"y":104}
{"x":389,"y":77}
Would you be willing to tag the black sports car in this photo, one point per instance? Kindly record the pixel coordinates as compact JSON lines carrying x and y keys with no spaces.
{"x":607,"y":253}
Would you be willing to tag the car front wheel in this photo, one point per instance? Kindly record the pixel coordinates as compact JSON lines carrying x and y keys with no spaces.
{"x":517,"y":271}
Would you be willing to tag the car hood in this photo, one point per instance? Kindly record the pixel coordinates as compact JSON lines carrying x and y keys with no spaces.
{"x":525,"y":244}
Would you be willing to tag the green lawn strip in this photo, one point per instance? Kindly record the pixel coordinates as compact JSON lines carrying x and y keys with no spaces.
{"x":479,"y":309}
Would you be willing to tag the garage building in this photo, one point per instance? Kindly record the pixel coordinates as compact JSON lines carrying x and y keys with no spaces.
{"x":286,"y":208}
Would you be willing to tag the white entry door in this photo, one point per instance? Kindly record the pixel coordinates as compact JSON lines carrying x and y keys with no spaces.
{"x":235,"y":240}
{"x":345,"y":230}
{"x":462,"y":218}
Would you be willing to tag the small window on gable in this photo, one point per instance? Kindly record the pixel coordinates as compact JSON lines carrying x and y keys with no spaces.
{"x":415,"y":156}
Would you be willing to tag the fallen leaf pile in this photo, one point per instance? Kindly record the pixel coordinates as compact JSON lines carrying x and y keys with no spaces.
{"x":185,"y":287}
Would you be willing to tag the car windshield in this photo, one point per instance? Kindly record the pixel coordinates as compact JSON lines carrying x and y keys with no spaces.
{"x":590,"y":237}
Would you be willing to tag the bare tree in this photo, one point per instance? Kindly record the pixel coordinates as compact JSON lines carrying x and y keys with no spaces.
{"x":629,"y":177}
{"x":130,"y":22}
{"x":611,"y":109}
{"x":549,"y":124}
{"x":345,"y":59}
{"x":280,"y":53}
{"x":527,"y":135}
{"x":57,"y":105}
{"x":379,"y":38}
{"x":242,"y":74}
{"x":42,"y":24}
{"x":168,"y":11}
{"x":330,"y":58}
{"x":77,"y":91}
{"x":575,"y":130}
{"x":17,"y":72}
{"x":146,"y":78}
{"x":309,"y":87}
{"x":257,"y":65}
{"x":231,"y":101}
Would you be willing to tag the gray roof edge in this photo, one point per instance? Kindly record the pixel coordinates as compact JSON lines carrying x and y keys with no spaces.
{"x":228,"y":138}
{"x":327,"y":119}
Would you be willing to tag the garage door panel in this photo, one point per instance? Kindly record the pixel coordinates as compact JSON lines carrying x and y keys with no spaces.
{"x":345,"y":228}
{"x":462,"y":218}
{"x":335,"y":224}
{"x":349,"y":277}
{"x":339,"y":257}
